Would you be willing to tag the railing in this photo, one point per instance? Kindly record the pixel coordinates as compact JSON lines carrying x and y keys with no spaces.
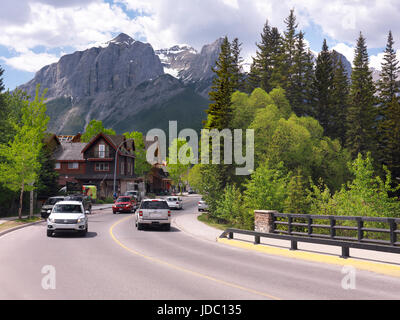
{"x":302,"y":228}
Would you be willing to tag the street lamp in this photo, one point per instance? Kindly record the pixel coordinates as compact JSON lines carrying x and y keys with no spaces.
{"x":116,"y":157}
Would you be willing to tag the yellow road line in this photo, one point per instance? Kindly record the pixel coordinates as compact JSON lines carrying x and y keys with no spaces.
{"x":197,"y":274}
{"x":381,"y":268}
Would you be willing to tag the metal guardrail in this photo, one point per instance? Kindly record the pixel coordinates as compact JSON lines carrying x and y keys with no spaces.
{"x":308,"y":234}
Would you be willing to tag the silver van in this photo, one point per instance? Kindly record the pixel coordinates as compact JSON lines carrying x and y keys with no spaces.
{"x":153,"y":212}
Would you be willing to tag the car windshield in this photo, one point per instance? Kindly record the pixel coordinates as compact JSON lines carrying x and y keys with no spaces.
{"x":68,"y":208}
{"x":52,"y":201}
{"x":124,"y":199}
{"x":154,"y":205}
{"x":172,"y":199}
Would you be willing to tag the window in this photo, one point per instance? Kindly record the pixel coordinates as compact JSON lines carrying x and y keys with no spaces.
{"x":100,"y":166}
{"x":102,"y":151}
{"x":58,"y":166}
{"x":123,"y":167}
{"x":73,"y":165}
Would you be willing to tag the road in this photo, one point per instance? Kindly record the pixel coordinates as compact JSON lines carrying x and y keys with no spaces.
{"x":115,"y":261}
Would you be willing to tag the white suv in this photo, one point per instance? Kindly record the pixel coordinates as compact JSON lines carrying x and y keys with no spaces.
{"x":68,"y":216}
{"x":175,"y":203}
{"x":153,"y":212}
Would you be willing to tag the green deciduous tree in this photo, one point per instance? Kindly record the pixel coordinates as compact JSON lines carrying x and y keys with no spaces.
{"x":21,"y":165}
{"x":93,"y":129}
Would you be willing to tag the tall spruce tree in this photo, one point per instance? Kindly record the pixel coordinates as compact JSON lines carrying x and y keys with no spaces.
{"x":389,"y":110}
{"x":323,"y":88}
{"x":340,"y":100}
{"x":286,"y":62}
{"x":303,"y":75}
{"x":253,"y":78}
{"x":265,"y":61}
{"x":220,"y":110}
{"x":361,"y":115}
{"x":238,"y":81}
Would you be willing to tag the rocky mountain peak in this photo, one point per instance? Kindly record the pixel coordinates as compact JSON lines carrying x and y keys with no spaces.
{"x":122,"y":38}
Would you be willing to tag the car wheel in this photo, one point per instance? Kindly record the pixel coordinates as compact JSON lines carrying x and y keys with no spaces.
{"x":167,"y":227}
{"x":49,"y":233}
{"x":84,"y":232}
{"x":140,"y":226}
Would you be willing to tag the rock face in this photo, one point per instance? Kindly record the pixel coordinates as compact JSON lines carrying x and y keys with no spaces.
{"x":120,"y":81}
{"x":186,"y":64}
{"x":122,"y":64}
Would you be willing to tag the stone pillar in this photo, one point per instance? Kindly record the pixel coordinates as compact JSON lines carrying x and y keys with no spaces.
{"x":264,"y":220}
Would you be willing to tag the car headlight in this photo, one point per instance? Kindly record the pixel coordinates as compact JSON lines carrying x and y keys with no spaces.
{"x":81,"y":220}
{"x":52,"y":220}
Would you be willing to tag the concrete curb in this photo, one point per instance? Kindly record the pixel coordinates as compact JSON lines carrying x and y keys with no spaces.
{"x":2,"y":233}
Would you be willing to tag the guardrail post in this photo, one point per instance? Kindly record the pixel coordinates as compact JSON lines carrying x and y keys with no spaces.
{"x":360,"y":232}
{"x":332,"y":229}
{"x":345,"y":252}
{"x":310,"y":229}
{"x":230,"y":235}
{"x":290,"y":220}
{"x":393,"y":236}
{"x":257,"y":240}
{"x":264,"y":221}
{"x":293,"y":245}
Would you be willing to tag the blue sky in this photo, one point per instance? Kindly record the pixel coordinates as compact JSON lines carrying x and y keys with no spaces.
{"x":38,"y":32}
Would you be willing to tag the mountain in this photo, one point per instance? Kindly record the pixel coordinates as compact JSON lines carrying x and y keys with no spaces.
{"x":190,"y":66}
{"x":126,"y":85}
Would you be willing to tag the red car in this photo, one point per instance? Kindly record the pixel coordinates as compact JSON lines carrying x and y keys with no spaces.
{"x":124,"y":204}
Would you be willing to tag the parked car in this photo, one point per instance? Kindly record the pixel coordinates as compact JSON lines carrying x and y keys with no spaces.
{"x":48,"y":206}
{"x":124,"y":204}
{"x":68,"y":216}
{"x":202,"y":205}
{"x":135,"y":194}
{"x":153,"y":212}
{"x":86,"y":201}
{"x":175,"y":203}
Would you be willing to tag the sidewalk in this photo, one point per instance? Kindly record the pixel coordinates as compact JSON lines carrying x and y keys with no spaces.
{"x":189,"y":224}
{"x":7,"y":219}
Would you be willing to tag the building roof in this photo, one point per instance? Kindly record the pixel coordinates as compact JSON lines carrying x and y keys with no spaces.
{"x":114,"y":141}
{"x":70,"y":151}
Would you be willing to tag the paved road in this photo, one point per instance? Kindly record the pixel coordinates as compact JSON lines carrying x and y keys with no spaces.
{"x":115,"y":261}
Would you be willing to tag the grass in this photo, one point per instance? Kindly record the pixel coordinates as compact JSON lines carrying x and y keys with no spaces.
{"x":16,"y":223}
{"x":215,"y":223}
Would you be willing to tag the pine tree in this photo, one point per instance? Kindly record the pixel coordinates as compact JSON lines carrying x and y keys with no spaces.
{"x":388,"y":87}
{"x":323,"y":86}
{"x":253,"y":78}
{"x":287,"y":58}
{"x":361,"y":115}
{"x":265,"y":60}
{"x":220,"y":110}
{"x":389,"y":111}
{"x":303,"y":75}
{"x":238,"y":82}
{"x":340,"y":100}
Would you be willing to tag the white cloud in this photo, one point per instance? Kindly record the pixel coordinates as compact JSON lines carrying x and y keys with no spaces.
{"x":79,"y":24}
{"x":30,"y":61}
{"x":345,"y":50}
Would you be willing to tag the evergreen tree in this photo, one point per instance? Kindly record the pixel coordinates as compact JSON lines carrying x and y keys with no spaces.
{"x":389,"y":111}
{"x":266,"y":58}
{"x":323,"y":89}
{"x":303,"y":75}
{"x":238,"y":82}
{"x":286,"y":62}
{"x":253,"y":78}
{"x":340,"y":100}
{"x":388,"y":87}
{"x":220,"y":110}
{"x":361,"y":115}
